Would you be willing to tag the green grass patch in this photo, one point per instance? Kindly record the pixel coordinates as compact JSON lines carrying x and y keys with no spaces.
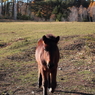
{"x":19,"y":44}
{"x":17,"y":48}
{"x":30,"y":77}
{"x":85,"y":72}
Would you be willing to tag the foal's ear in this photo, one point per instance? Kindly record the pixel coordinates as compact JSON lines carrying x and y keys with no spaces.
{"x":45,"y":39}
{"x":57,"y":39}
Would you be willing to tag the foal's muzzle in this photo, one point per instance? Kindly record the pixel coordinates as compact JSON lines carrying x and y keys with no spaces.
{"x":50,"y":65}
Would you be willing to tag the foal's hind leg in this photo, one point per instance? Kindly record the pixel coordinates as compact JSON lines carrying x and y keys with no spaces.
{"x":44,"y":82}
{"x":39,"y":79}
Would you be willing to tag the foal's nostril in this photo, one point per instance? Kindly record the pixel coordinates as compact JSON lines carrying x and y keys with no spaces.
{"x":50,"y":65}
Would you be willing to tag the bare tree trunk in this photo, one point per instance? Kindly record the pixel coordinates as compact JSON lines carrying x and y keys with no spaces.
{"x":15,"y":10}
{"x":2,"y":9}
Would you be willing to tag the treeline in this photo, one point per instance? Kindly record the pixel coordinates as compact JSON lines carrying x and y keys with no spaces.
{"x":48,"y":9}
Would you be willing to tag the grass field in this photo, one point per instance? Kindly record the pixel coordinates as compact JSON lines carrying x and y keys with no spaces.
{"x":18,"y":69}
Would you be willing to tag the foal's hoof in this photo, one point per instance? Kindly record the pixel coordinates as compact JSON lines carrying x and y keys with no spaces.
{"x":51,"y":90}
{"x":39,"y":86}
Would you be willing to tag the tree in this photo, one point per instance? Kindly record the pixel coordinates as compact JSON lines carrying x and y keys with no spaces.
{"x":42,"y":9}
{"x":15,"y":10}
{"x":60,"y":9}
{"x":4,"y":7}
{"x":1,"y":1}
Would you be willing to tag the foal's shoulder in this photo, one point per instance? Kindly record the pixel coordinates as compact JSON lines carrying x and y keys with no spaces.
{"x":40,"y":42}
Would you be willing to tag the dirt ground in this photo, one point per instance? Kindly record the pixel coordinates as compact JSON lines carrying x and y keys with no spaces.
{"x":76,"y":69}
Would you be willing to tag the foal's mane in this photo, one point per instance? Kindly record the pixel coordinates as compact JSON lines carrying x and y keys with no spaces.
{"x":50,"y":36}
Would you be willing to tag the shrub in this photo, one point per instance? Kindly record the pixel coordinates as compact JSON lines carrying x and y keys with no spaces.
{"x":59,"y":17}
{"x":19,"y":16}
{"x":23,"y":17}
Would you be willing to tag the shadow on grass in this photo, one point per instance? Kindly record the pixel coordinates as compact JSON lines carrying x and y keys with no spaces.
{"x":75,"y":92}
{"x":12,"y":20}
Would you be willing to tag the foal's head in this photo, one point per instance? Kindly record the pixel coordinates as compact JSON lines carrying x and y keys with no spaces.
{"x":50,"y":49}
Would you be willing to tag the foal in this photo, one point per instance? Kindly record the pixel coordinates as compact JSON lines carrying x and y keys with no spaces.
{"x":47,"y":57}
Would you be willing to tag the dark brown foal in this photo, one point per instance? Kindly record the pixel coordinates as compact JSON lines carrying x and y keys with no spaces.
{"x":47,"y":57}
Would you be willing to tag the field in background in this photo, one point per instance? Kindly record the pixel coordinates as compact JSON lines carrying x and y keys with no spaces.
{"x":18,"y":69}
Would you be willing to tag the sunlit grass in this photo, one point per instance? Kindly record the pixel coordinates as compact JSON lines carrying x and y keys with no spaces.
{"x":13,"y":30}
{"x":21,"y":38}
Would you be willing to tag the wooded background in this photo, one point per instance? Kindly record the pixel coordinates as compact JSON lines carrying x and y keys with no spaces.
{"x":47,"y":10}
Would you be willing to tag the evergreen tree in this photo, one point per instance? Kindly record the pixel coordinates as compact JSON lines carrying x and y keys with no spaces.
{"x":59,"y":10}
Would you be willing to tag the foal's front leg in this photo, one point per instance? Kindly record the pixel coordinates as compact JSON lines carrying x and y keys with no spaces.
{"x":53,"y":81}
{"x":44,"y":82}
